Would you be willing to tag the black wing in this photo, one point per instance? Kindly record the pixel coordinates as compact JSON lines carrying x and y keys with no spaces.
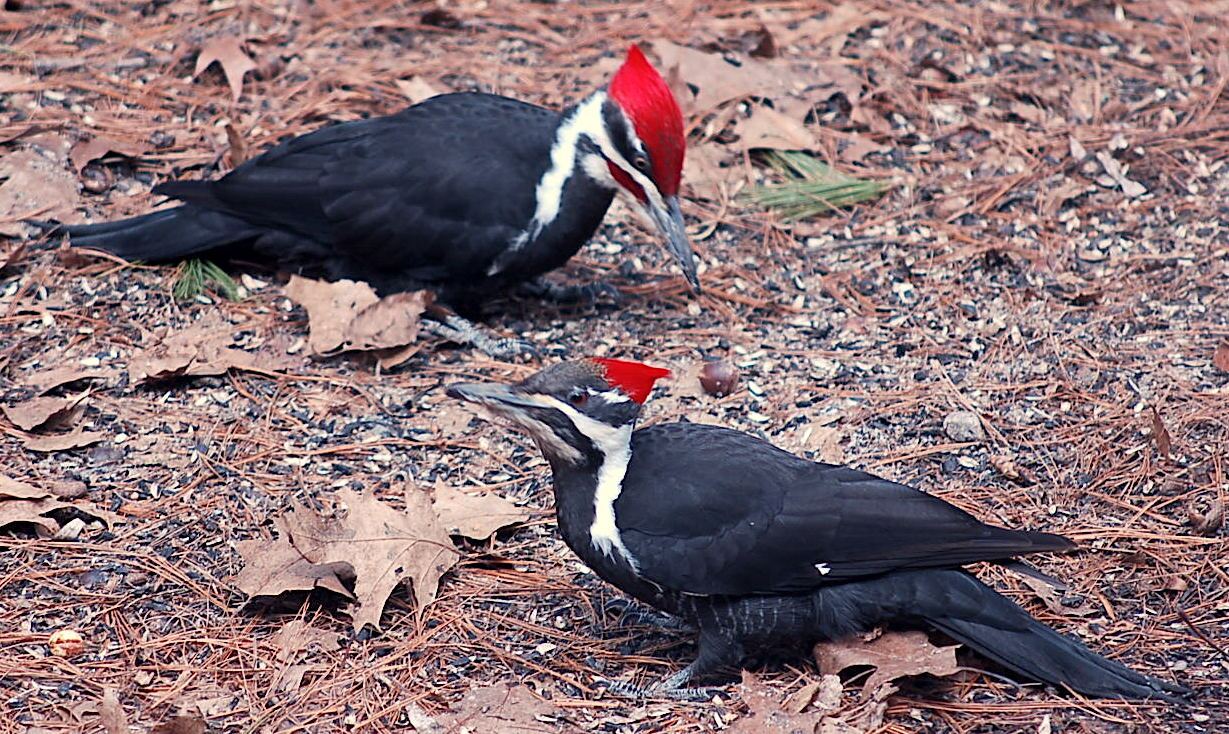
{"x":781,"y":524}
{"x":426,"y":188}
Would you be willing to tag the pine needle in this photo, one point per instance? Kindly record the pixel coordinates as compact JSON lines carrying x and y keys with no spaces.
{"x":811,"y":187}
{"x":195,"y":275}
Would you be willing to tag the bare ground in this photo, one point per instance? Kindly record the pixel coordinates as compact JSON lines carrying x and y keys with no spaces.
{"x":1008,"y":273}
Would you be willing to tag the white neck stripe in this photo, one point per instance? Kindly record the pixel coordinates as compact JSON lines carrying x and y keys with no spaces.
{"x":615,"y":445}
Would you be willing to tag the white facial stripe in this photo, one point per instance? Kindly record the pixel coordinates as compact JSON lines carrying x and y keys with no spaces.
{"x":615,"y":445}
{"x":542,"y":434}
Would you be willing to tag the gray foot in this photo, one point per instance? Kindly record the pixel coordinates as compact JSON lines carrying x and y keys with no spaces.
{"x":624,"y":689}
{"x":459,"y":330}
{"x":631,"y":613}
{"x":586,"y":294}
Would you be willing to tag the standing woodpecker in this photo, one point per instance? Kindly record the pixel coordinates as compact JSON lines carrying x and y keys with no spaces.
{"x":464,"y":194}
{"x":755,"y":546}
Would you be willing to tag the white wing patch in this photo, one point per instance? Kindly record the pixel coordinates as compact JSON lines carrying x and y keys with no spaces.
{"x":823,"y":569}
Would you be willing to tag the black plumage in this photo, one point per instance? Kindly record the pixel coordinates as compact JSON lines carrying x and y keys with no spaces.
{"x":755,"y":546}
{"x":430,"y":197}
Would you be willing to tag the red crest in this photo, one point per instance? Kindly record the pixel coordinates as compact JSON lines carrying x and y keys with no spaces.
{"x":647,"y":101}
{"x":633,"y":378}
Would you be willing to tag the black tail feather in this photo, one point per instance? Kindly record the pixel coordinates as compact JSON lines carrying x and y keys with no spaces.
{"x":169,"y":234}
{"x":957,"y":604}
{"x":1000,"y":630}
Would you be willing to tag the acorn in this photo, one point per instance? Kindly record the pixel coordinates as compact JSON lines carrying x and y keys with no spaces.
{"x":718,"y":378}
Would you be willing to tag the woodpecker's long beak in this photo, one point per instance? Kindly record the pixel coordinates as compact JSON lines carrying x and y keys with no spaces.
{"x":492,"y":395}
{"x":669,"y":221}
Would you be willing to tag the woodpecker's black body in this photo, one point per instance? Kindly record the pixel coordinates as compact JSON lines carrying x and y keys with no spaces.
{"x":755,"y":546}
{"x":431,"y":197}
{"x":462,"y":194}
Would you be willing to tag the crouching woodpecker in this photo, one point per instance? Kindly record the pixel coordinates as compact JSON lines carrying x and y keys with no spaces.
{"x":754,"y":546}
{"x":465,"y":194}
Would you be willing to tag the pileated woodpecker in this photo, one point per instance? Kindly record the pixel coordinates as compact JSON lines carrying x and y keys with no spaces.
{"x":464,"y":194}
{"x":754,"y":546}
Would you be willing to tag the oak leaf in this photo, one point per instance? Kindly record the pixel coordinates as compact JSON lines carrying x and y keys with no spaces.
{"x":228,"y":52}
{"x":893,"y":655}
{"x":373,"y":545}
{"x":348,"y":315}
{"x":475,"y":516}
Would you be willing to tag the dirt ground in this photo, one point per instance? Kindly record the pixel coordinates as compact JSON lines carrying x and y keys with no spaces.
{"x":1053,"y":256}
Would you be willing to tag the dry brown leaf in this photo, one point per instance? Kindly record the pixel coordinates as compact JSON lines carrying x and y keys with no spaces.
{"x":45,"y":413}
{"x":1207,"y":523}
{"x":416,"y":89}
{"x":12,"y":253}
{"x":34,"y":188}
{"x":475,"y":516}
{"x":21,"y":502}
{"x":298,"y":636}
{"x":182,"y":724}
{"x":62,"y":441}
{"x":14,"y":489}
{"x":49,"y":379}
{"x":504,"y":706}
{"x":840,"y":21}
{"x":273,"y":567}
{"x":347,"y":315}
{"x":228,"y":52}
{"x":718,"y":80}
{"x":770,"y":715}
{"x":1220,"y":358}
{"x":1160,"y":434}
{"x":1053,"y":598}
{"x":86,"y":151}
{"x":111,"y":713}
{"x":770,"y":129}
{"x":704,"y":173}
{"x":376,"y":545}
{"x":237,"y":147}
{"x":202,"y":349}
{"x":859,"y":146}
{"x":893,"y":655}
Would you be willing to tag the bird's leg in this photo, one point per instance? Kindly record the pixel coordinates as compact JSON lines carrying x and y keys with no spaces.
{"x":632,"y":613}
{"x":716,"y":651}
{"x":570,"y":294}
{"x":450,"y":326}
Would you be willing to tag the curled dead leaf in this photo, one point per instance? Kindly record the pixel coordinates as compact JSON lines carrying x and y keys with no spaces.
{"x":893,"y":655}
{"x":75,"y":439}
{"x":45,"y":413}
{"x":348,"y":315}
{"x":1220,"y":358}
{"x":23,"y":504}
{"x":86,"y":151}
{"x":1160,"y":434}
{"x":769,"y":129}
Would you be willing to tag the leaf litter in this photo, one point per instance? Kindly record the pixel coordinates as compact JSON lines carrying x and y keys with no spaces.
{"x":929,"y":101}
{"x":373,"y":545}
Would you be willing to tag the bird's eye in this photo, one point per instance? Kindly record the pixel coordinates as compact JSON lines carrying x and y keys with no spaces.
{"x":641,"y":163}
{"x":578,"y":398}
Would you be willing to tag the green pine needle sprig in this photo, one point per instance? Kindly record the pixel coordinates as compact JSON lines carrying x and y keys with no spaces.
{"x":195,"y":275}
{"x":811,"y":187}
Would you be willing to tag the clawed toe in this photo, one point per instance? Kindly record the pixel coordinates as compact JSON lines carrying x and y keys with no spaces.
{"x":624,"y":689}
